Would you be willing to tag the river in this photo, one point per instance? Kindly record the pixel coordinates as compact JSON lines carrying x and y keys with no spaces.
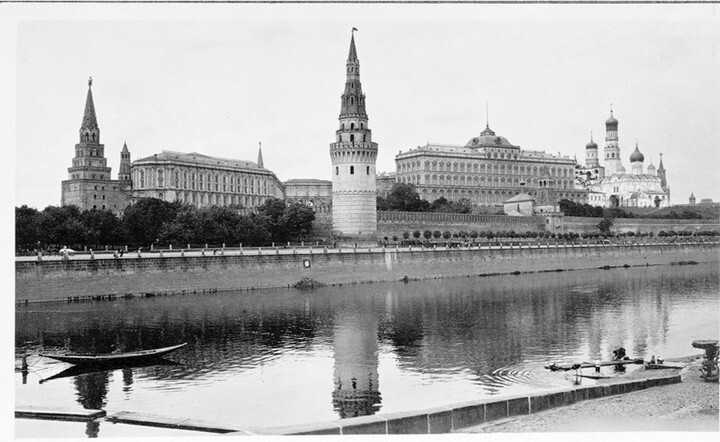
{"x":281,"y":357}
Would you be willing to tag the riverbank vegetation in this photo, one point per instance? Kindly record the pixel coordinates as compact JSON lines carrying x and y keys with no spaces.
{"x":153,"y":221}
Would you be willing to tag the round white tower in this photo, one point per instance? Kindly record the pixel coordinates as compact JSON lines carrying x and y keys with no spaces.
{"x":613,"y":164}
{"x":353,"y":155}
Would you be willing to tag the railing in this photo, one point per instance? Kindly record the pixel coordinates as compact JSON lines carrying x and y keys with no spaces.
{"x":311,"y":249}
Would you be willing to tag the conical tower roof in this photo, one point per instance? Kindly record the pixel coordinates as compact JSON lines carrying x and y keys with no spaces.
{"x":260,"y":158}
{"x":89,"y":122}
{"x":352,"y":54}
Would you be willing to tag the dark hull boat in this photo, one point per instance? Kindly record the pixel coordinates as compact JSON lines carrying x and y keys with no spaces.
{"x":114,"y":359}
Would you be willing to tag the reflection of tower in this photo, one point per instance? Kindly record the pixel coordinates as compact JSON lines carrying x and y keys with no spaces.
{"x":355,"y":375}
{"x":353,"y":155}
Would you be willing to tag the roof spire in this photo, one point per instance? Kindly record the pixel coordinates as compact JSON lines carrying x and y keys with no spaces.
{"x":352,"y":55}
{"x":89,"y":130}
{"x":260,"y":158}
{"x":487,"y":116}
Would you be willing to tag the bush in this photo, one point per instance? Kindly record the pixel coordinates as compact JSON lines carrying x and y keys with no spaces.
{"x":406,"y":235}
{"x":416,"y":234}
{"x":437,"y":234}
{"x":427,"y":234}
{"x":447,"y":234}
{"x":474,"y":234}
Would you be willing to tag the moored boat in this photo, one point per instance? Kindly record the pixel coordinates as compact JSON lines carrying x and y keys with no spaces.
{"x":115,"y":358}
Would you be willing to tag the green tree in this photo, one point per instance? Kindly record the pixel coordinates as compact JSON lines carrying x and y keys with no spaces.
{"x":102,"y":227}
{"x":605,"y":224}
{"x":26,"y":227}
{"x":61,"y":226}
{"x":403,"y":197}
{"x":143,"y":221}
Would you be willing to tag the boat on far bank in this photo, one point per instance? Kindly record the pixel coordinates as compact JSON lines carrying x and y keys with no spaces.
{"x":113,"y":359}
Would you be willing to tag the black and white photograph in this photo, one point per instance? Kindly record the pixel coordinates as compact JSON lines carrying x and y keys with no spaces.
{"x":457,"y":220}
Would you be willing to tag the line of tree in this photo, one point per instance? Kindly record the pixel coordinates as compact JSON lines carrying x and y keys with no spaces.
{"x":404,"y":198}
{"x":154,"y":221}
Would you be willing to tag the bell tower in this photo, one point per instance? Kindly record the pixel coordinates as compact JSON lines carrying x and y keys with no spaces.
{"x":353,"y":155}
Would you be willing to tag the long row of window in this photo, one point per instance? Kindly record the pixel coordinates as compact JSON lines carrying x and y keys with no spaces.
{"x":483,"y":197}
{"x":461,"y":180}
{"x":231,"y":183}
{"x":447,"y":166}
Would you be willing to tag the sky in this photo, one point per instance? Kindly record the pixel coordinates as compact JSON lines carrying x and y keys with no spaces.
{"x":220,"y":79}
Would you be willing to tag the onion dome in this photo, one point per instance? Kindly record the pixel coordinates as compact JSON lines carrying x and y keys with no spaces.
{"x":612,"y":121}
{"x":591,"y":144}
{"x":637,"y":156}
{"x":651,"y":168}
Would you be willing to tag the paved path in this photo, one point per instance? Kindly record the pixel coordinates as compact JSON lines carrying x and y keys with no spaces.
{"x":691,"y":405}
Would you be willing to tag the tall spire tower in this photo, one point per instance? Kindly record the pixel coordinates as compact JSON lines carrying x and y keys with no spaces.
{"x":613,"y":165}
{"x":89,"y":185}
{"x":260,"y":162}
{"x":124,"y":172}
{"x":353,"y":156}
{"x":89,"y":162}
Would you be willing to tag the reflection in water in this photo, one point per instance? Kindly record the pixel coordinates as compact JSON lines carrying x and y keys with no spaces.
{"x":432,"y":342}
{"x":355,"y":349}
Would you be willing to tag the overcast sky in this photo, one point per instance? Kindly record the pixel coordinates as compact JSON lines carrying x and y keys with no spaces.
{"x":219,"y":79}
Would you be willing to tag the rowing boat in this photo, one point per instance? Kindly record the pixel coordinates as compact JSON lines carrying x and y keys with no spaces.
{"x":579,"y":365}
{"x":115,"y":358}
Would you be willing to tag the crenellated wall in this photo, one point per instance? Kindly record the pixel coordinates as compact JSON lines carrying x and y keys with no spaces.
{"x":79,"y":277}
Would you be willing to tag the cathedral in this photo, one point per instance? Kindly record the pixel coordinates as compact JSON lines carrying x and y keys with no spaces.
{"x":612,"y":185}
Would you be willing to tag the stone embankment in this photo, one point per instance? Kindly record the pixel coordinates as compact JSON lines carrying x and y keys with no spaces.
{"x":104,"y":277}
{"x":691,"y":405}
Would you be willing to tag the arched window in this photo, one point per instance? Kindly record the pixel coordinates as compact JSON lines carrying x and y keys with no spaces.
{"x":364,"y":139}
{"x":352,"y":138}
{"x":352,"y":170}
{"x":368,"y":170}
{"x":352,"y":126}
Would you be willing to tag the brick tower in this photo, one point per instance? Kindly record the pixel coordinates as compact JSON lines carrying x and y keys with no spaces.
{"x":89,"y":185}
{"x":353,"y":155}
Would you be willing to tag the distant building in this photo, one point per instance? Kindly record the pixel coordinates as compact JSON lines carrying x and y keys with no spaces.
{"x":202,"y":180}
{"x":310,"y":192}
{"x":706,"y":201}
{"x":692,"y":199}
{"x":488,"y":170}
{"x":611,"y":185}
{"x":89,"y":185}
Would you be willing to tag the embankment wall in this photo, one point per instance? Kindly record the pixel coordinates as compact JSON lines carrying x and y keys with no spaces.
{"x":80,"y":277}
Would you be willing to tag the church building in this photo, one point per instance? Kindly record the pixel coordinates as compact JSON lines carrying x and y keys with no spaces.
{"x":612,"y":185}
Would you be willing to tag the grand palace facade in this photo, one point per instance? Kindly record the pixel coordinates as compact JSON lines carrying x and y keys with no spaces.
{"x":487,"y":171}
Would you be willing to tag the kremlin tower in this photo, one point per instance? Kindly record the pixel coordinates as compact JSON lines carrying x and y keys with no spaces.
{"x":353,"y":155}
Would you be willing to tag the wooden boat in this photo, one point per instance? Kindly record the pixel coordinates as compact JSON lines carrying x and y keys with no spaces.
{"x":579,"y":365}
{"x":84,"y":369}
{"x":656,"y":366}
{"x":115,"y":358}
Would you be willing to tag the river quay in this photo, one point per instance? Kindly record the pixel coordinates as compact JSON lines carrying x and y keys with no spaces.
{"x":691,"y":405}
{"x":162,"y":272}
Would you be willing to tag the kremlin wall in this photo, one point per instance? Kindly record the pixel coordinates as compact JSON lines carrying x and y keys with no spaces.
{"x":88,"y":279}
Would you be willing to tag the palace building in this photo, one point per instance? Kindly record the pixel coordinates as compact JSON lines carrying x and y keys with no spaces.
{"x":202,"y":180}
{"x":487,"y":171}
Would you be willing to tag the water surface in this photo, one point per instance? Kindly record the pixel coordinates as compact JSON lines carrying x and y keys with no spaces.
{"x":281,"y":357}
